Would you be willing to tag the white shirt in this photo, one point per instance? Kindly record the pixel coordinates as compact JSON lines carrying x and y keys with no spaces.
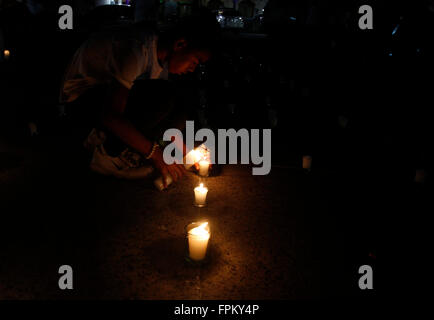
{"x":108,"y":57}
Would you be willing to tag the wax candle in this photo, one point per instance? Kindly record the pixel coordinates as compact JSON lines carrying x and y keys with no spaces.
{"x":205,"y":153}
{"x":200,"y":193}
{"x":191,"y":158}
{"x":198,"y":241}
{"x":307,"y":162}
{"x":203,"y":168}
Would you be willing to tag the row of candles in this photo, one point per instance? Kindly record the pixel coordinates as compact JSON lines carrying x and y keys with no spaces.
{"x":198,"y":233}
{"x":200,"y":157}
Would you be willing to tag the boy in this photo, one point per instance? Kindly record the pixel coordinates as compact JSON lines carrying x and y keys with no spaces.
{"x":97,"y":84}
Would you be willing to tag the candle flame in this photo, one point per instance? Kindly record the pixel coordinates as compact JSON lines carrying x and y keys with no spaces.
{"x":203,"y":152}
{"x":200,"y":230}
{"x":203,"y":225}
{"x":201,"y":185}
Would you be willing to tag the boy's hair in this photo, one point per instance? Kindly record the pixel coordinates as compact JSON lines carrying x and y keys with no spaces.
{"x":200,"y":30}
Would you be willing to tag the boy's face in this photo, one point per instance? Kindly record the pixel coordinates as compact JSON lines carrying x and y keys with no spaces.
{"x":184,"y":60}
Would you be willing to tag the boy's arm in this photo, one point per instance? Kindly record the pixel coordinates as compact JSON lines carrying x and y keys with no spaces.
{"x":113,"y":119}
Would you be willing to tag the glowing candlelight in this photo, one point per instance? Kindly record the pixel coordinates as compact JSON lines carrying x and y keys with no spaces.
{"x":198,"y":241}
{"x":203,"y":168}
{"x":6,"y":54}
{"x":191,"y":158}
{"x":205,"y":154}
{"x":200,"y":193}
{"x":200,"y":156}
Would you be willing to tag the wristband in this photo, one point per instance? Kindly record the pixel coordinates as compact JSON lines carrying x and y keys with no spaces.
{"x":154,"y":147}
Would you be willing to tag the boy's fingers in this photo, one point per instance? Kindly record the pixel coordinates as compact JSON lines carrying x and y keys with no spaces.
{"x":182,"y":169}
{"x":179,"y":171}
{"x":164,"y":173}
{"x":173,"y":173}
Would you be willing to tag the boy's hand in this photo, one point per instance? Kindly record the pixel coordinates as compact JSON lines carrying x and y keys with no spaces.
{"x":175,"y":170}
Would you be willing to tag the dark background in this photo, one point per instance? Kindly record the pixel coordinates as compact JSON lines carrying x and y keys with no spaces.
{"x":312,"y":76}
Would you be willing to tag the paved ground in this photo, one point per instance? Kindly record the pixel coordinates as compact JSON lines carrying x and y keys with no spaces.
{"x":273,"y":237}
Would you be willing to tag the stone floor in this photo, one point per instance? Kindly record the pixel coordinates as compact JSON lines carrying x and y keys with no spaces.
{"x":273,"y":237}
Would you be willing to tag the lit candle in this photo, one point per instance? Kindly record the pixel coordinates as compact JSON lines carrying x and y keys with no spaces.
{"x":198,"y":241}
{"x":200,"y":193}
{"x":307,"y":162}
{"x":191,"y":158}
{"x":6,"y":54}
{"x":203,"y":168}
